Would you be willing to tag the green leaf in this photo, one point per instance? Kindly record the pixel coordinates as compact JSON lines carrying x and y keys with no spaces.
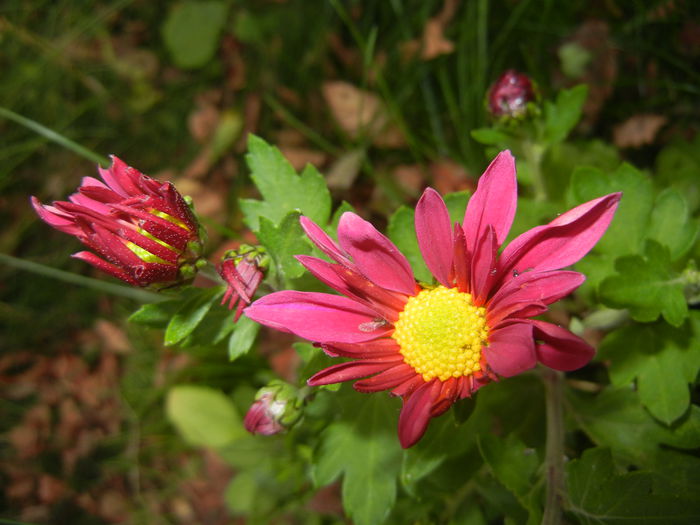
{"x":662,"y":359}
{"x":646,"y":286}
{"x":561,"y":117}
{"x":599,"y":495}
{"x":457,"y":204}
{"x":671,"y":224}
{"x":402,"y":232}
{"x":630,"y":224}
{"x":363,"y":447}
{"x":191,"y":31}
{"x":155,"y":315}
{"x":513,"y":464}
{"x":283,"y":242}
{"x":242,"y":494}
{"x":243,"y":337}
{"x":678,"y":166}
{"x":283,"y":191}
{"x":204,"y":416}
{"x":616,"y":418}
{"x":190,"y":314}
{"x":489,"y":136}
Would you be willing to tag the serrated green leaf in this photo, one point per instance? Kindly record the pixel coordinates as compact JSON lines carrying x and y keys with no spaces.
{"x":671,"y":224}
{"x":363,"y":446}
{"x":513,"y":464}
{"x":616,"y":418}
{"x":402,"y":232}
{"x":204,"y":416}
{"x":190,"y":314}
{"x":630,"y":224}
{"x":662,"y":359}
{"x":599,"y":495}
{"x":646,"y":286}
{"x":283,"y":191}
{"x":191,"y":31}
{"x":678,"y":165}
{"x":243,"y":337}
{"x":561,"y":116}
{"x":283,"y":243}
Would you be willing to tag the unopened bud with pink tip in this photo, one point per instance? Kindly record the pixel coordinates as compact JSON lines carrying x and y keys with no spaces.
{"x":277,"y":407}
{"x":243,"y":271}
{"x":510,"y":95}
{"x":142,"y":230}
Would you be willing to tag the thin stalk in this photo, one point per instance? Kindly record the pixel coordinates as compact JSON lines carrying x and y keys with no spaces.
{"x":142,"y":296}
{"x":54,"y":136}
{"x":534,"y":153}
{"x":554,"y":451}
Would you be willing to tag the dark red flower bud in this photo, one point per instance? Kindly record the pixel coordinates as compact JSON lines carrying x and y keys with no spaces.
{"x":143,"y":230}
{"x":243,"y":271}
{"x":509,"y":95}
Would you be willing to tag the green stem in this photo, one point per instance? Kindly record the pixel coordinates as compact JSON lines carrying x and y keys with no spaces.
{"x":554,"y":452}
{"x":142,"y":296}
{"x":534,"y":153}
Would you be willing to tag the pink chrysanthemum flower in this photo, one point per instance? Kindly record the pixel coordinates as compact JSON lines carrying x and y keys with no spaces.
{"x":433,"y":345}
{"x":143,"y":229}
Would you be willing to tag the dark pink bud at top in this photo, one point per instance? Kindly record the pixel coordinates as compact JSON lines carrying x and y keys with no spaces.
{"x":509,"y":95}
{"x":142,"y":230}
{"x":243,"y":271}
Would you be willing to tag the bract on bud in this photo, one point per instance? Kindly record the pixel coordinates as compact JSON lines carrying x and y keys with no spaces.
{"x":276,"y":408}
{"x":509,"y":95}
{"x":243,"y":271}
{"x":143,"y":230}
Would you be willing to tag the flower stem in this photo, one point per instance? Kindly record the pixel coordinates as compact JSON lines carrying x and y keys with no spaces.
{"x":554,"y":452}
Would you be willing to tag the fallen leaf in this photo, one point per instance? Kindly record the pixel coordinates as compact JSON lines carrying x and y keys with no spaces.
{"x":300,"y":157}
{"x":638,"y":130}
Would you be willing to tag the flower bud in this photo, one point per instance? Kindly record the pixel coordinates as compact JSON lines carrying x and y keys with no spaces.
{"x":145,"y":231}
{"x":243,"y":270}
{"x":508,"y":97}
{"x":277,"y":407}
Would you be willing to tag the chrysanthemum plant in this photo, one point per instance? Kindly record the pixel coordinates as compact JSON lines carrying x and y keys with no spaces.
{"x":473,"y":363}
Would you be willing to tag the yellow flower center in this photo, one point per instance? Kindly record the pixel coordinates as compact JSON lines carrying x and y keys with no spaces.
{"x":441,"y":333}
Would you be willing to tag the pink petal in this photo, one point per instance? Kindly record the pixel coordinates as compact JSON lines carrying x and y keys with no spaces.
{"x":323,"y":241}
{"x":461,"y":260}
{"x":379,"y":348}
{"x":541,"y":288}
{"x":106,"y":267}
{"x":563,"y":241}
{"x":375,"y":255}
{"x":560,"y":349}
{"x":55,"y":218}
{"x":318,"y":317}
{"x":390,"y":378}
{"x":494,"y":201}
{"x":415,"y":413}
{"x":347,"y":372}
{"x":511,"y":349}
{"x":434,"y":233}
{"x":483,"y":267}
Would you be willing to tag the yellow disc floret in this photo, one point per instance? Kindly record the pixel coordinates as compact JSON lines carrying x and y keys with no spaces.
{"x":441,"y":333}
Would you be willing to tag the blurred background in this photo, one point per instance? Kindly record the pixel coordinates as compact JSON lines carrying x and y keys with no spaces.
{"x":380,"y":95}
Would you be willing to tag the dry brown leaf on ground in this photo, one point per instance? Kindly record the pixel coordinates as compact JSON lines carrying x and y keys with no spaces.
{"x":449,"y":176}
{"x":411,"y":178}
{"x":638,"y":130}
{"x":343,"y":172}
{"x":300,"y":157}
{"x":358,"y":111}
{"x":433,"y":42}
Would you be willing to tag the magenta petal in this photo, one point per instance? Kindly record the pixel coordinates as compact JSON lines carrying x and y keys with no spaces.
{"x":540,"y":288}
{"x":563,"y":241}
{"x":317,"y":317}
{"x":56,"y":218}
{"x":511,"y":349}
{"x":494,"y":201}
{"x":323,"y":241}
{"x":106,"y":267}
{"x":375,"y":255}
{"x":324,"y":272}
{"x":347,"y":372}
{"x":483,"y":266}
{"x":390,"y":378}
{"x":434,"y":233}
{"x":415,"y":413}
{"x":560,"y":349}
